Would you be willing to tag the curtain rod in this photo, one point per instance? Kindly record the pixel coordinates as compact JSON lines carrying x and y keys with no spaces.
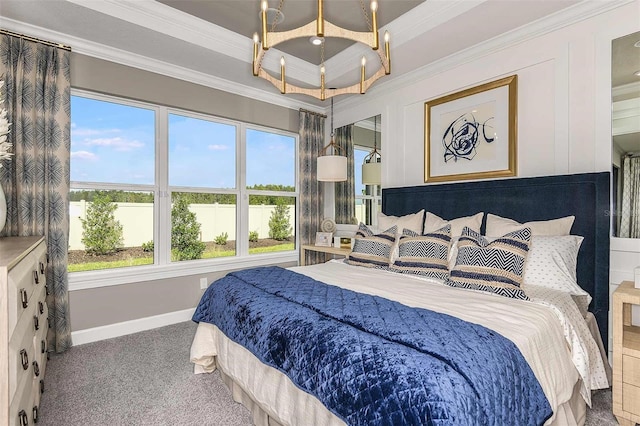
{"x":313,"y":112}
{"x":37,"y":40}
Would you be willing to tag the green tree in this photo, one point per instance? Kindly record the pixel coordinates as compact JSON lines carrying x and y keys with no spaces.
{"x":279,"y":226}
{"x":185,"y":232}
{"x":101,"y":232}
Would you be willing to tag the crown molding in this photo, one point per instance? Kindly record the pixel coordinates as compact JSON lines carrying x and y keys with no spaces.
{"x":111,"y":54}
{"x":422,"y":18}
{"x":569,"y":16}
{"x":626,"y":89}
{"x":158,"y":17}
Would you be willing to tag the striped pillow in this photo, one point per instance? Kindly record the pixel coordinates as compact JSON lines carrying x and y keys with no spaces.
{"x":425,"y":255}
{"x":373,"y":251}
{"x":496,"y":267}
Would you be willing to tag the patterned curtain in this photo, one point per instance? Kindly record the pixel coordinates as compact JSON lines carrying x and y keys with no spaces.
{"x":630,"y":211}
{"x":311,"y":196}
{"x":36,"y":179}
{"x":346,"y":191}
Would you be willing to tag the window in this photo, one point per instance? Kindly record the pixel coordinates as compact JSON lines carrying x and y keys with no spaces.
{"x":167,"y":186}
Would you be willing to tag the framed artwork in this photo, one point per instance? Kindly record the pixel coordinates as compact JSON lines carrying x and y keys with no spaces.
{"x":324,"y":239}
{"x":472,"y":134}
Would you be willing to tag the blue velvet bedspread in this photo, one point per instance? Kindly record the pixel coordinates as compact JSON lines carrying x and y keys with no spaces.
{"x":372,"y":361}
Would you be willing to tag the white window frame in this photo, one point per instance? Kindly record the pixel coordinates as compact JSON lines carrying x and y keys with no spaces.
{"x":163,"y":267}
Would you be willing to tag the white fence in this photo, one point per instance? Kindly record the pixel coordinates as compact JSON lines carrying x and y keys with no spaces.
{"x":137,"y":221}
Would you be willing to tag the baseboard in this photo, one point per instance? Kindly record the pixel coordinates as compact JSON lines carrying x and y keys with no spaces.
{"x":95,"y":334}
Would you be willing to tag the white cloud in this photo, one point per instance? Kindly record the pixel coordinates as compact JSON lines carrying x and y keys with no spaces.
{"x":87,"y":131}
{"x":218,"y":147}
{"x":119,"y":144}
{"x":84,"y":155}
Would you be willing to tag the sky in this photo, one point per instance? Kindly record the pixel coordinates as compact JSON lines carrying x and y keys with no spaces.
{"x":115,"y":143}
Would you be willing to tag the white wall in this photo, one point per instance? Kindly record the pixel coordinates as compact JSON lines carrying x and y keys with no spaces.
{"x":564,"y":103}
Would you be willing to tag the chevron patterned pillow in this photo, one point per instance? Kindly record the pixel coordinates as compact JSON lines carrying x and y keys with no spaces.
{"x":373,"y":251}
{"x":496,"y":267}
{"x":364,"y":231}
{"x":425,"y":255}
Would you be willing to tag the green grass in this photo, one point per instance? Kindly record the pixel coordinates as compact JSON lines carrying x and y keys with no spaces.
{"x":92,"y":266}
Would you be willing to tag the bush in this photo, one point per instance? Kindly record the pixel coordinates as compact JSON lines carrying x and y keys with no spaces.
{"x":101,"y":232}
{"x":253,"y":236}
{"x":279,"y":226}
{"x":148,"y":246}
{"x":222,"y":239}
{"x":185,"y":232}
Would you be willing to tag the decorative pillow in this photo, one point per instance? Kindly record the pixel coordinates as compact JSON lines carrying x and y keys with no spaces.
{"x":411,"y":221}
{"x":433,"y":223}
{"x":373,"y":251}
{"x":497,"y":225}
{"x":364,"y":231}
{"x":496,"y":267}
{"x":425,"y":255}
{"x":552,"y":263}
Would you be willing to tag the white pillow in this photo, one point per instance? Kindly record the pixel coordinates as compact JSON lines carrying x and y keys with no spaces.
{"x":433,"y":222}
{"x":413,"y":222}
{"x":552,"y":263}
{"x":497,"y":226}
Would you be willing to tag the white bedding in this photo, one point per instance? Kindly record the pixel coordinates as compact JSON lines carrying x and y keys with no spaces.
{"x":542,"y":334}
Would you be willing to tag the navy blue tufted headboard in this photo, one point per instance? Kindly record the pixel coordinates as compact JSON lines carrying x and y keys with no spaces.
{"x":586,"y":196}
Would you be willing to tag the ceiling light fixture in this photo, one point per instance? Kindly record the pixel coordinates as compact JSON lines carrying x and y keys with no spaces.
{"x":332,"y":167}
{"x":320,"y":28}
{"x":371,"y":167}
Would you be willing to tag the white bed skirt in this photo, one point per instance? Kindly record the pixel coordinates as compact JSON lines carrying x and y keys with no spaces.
{"x":274,"y":400}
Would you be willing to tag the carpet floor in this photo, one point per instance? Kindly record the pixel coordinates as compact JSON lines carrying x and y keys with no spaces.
{"x":146,"y":379}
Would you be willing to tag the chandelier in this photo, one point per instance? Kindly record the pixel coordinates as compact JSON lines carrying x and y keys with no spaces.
{"x":319,"y":29}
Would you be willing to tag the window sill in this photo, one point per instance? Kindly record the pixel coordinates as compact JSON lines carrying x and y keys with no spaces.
{"x":130,"y":275}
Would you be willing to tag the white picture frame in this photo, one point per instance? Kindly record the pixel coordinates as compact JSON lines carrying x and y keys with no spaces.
{"x":324,"y":239}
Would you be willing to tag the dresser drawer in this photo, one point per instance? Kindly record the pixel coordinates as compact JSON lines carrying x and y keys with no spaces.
{"x":21,"y":350}
{"x":23,"y":279}
{"x":23,"y":404}
{"x":631,"y":399}
{"x":631,"y":368}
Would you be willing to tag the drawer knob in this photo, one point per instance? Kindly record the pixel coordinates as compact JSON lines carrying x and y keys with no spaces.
{"x":22,"y":418}
{"x":24,"y":358}
{"x":35,"y":277}
{"x":35,"y":414}
{"x":36,"y":323}
{"x":24,"y":298}
{"x":41,"y":307}
{"x":43,"y":346}
{"x":36,"y":368}
{"x":41,"y":268}
{"x":41,"y":386}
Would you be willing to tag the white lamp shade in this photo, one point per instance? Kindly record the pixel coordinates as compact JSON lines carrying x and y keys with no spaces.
{"x":332,"y":168}
{"x":372,"y":173}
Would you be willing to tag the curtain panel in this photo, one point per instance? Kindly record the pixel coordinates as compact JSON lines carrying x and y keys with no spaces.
{"x":311,"y":193}
{"x":630,"y":211}
{"x":36,"y":179}
{"x":345,"y":192}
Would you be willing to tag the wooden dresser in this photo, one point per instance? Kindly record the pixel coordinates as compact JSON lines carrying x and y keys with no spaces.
{"x":626,"y":356}
{"x":23,"y":328}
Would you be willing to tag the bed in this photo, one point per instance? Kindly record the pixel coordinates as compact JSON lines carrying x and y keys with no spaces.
{"x":362,"y":345}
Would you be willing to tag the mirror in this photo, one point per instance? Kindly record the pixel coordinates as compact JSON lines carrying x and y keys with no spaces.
{"x":625,"y":94}
{"x":366,"y":134}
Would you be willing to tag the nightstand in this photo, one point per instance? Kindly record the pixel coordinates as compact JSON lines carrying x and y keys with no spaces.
{"x":322,"y":249}
{"x":626,"y":356}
